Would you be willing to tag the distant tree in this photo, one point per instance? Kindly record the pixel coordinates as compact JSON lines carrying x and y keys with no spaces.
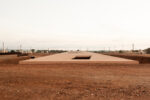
{"x":147,"y":50}
{"x":38,"y":51}
{"x":12,"y":51}
{"x":120,"y":51}
{"x":33,"y":50}
{"x":100,"y":51}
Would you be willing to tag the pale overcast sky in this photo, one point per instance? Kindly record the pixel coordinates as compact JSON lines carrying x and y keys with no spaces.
{"x":75,"y":24}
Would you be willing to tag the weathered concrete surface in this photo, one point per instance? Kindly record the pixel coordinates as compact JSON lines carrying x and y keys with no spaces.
{"x":67,"y":57}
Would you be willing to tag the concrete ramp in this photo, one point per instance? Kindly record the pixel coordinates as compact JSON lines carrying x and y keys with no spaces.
{"x":78,"y":57}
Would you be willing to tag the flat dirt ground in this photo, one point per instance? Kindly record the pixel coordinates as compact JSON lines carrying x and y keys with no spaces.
{"x":75,"y":82}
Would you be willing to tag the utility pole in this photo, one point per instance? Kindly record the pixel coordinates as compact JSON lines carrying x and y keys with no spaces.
{"x":132,"y":47}
{"x":48,"y":50}
{"x":3,"y":47}
{"x":20,"y":48}
{"x":104,"y":49}
{"x":109,"y":49}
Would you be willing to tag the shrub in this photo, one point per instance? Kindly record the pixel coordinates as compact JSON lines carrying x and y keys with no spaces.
{"x":147,"y":50}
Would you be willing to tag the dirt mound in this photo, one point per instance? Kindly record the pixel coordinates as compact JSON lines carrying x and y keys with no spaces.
{"x":143,"y":59}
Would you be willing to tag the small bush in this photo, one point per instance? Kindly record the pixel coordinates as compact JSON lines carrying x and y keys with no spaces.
{"x":147,"y":50}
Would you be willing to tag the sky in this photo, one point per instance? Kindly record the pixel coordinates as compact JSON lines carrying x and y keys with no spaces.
{"x":75,"y":24}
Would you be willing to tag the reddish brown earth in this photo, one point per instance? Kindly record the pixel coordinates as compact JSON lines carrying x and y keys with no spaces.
{"x":14,"y":59}
{"x":75,"y":82}
{"x":11,"y":59}
{"x":141,"y":58}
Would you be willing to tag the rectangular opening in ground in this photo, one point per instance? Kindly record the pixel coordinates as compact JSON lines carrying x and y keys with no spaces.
{"x":82,"y":57}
